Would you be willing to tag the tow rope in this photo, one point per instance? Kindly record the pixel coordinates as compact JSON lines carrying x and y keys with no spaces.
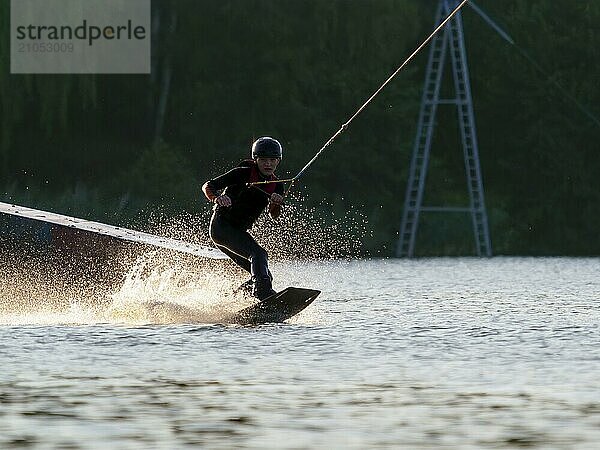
{"x":365,"y":104}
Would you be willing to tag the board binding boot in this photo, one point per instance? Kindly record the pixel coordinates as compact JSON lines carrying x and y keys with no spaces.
{"x":247,"y":286}
{"x":262,"y":288}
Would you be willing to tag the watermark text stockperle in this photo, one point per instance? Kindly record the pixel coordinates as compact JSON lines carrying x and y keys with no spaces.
{"x":80,"y":36}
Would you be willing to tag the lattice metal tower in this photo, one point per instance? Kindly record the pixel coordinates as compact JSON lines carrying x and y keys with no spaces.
{"x":449,"y":40}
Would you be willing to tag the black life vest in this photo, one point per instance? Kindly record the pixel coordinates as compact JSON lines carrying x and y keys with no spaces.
{"x":247,"y":201}
{"x":255,"y":176}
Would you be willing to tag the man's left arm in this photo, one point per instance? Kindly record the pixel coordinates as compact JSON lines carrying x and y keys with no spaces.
{"x":276,"y":202}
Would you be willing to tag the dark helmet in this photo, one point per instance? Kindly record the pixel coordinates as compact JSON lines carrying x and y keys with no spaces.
{"x":266,"y":147}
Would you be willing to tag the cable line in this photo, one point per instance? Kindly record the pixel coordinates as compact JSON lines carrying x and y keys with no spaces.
{"x":365,"y":104}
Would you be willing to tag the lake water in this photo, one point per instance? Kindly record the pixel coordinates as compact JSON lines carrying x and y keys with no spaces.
{"x":416,"y":354}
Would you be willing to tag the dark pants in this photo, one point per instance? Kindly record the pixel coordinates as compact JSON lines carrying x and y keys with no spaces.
{"x":239,"y":246}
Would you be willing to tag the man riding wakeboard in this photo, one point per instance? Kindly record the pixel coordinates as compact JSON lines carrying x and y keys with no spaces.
{"x":237,"y":206}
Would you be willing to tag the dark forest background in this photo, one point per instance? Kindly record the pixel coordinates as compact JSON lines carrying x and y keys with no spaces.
{"x":119,"y":148}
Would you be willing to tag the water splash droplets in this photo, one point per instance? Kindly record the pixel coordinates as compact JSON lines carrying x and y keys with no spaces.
{"x":94,"y":280}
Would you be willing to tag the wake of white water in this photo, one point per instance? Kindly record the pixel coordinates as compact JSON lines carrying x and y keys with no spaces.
{"x":154,"y":291}
{"x":157,"y":292}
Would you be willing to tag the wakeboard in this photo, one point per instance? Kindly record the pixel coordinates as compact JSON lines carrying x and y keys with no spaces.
{"x":276,"y":308}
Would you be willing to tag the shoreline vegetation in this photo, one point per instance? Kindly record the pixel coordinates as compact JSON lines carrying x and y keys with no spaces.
{"x":122,"y":149}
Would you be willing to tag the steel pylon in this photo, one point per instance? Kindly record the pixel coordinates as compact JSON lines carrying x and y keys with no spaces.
{"x":448,"y":41}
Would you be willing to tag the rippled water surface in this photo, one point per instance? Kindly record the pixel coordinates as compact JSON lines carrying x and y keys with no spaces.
{"x":439,"y":353}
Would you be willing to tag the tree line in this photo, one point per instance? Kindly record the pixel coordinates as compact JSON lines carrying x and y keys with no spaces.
{"x":117,"y":148}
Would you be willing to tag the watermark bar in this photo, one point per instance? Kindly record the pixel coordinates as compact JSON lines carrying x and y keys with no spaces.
{"x":80,"y":36}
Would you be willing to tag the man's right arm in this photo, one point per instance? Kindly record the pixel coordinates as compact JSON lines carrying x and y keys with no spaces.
{"x":209,"y":191}
{"x":212,"y":187}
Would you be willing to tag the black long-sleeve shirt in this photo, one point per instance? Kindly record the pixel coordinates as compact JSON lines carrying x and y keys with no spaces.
{"x":247,"y":202}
